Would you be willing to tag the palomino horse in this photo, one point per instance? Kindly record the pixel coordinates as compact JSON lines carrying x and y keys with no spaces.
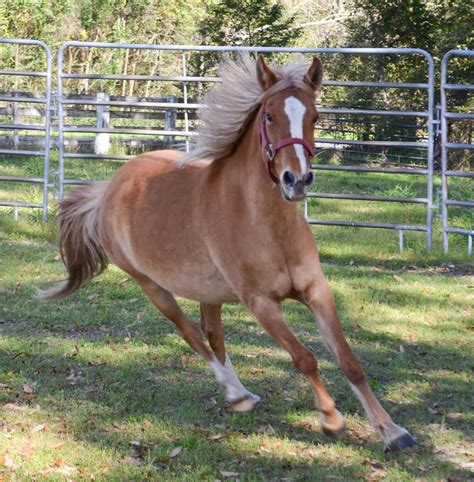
{"x":222,"y":225}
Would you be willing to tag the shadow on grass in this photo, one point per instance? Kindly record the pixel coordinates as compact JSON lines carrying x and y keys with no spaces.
{"x":145,"y":379}
{"x":188,"y":400}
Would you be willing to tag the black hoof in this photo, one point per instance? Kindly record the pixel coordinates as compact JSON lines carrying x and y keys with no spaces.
{"x":334,"y":433}
{"x":400,"y":443}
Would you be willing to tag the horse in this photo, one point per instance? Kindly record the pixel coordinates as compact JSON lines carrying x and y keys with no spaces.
{"x":222,"y":224}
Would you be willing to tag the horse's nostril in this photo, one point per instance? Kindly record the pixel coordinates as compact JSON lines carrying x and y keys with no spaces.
{"x":309,"y":178}
{"x":289,"y":178}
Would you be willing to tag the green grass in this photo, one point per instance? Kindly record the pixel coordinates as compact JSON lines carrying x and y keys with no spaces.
{"x":100,"y":386}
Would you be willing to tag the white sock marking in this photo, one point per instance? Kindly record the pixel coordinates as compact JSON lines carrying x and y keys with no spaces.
{"x":391,"y":431}
{"x":295,"y":111}
{"x":226,"y":376}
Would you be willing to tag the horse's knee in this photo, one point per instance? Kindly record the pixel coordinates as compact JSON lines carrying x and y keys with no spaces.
{"x":306,"y":363}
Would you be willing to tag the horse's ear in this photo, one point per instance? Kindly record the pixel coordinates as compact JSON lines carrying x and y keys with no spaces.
{"x":314,"y":76}
{"x":265,"y":75}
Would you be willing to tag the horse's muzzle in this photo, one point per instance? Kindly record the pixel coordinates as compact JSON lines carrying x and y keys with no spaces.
{"x":296,"y":188}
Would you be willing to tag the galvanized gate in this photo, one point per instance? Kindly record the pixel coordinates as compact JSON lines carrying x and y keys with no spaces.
{"x":15,"y":99}
{"x":449,"y":115}
{"x":184,"y":108}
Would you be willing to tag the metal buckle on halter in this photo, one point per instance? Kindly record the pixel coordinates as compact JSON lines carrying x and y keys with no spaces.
{"x":270,"y":152}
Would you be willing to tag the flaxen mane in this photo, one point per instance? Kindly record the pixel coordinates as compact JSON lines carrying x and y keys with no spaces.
{"x":229,"y":107}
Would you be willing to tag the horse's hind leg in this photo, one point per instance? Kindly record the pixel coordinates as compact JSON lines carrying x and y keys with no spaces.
{"x":237,"y":395}
{"x":320,"y":300}
{"x":268,"y":313}
{"x":166,"y":303}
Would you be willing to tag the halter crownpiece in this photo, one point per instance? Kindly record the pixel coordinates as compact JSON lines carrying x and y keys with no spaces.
{"x":272,"y":149}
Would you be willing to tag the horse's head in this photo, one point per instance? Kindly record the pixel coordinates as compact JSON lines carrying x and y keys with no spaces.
{"x":287,"y":118}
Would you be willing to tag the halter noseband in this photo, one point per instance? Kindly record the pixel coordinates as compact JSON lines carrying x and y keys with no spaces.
{"x":272,"y":149}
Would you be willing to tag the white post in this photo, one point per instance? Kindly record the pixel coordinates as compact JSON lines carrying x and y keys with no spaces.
{"x":102,"y":139}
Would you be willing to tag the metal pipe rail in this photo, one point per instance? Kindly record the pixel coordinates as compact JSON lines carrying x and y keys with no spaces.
{"x":46,"y":101}
{"x":367,"y":197}
{"x":446,"y":173}
{"x":186,"y":106}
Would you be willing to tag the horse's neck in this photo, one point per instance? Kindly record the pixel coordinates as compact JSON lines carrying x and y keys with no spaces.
{"x":248,"y":168}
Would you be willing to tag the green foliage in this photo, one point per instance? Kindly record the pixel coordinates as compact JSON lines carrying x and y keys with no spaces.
{"x":435,"y":26}
{"x":431,"y":25}
{"x":248,"y":22}
{"x":241,"y":23}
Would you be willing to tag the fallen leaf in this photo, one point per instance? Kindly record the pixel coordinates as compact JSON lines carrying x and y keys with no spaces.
{"x":377,"y":468}
{"x":398,"y":278}
{"x":16,"y":288}
{"x":58,"y":462}
{"x":148,"y":423}
{"x":14,"y":406}
{"x":115,"y":427}
{"x":131,"y":460}
{"x":402,"y":349}
{"x":454,"y":415}
{"x":183,"y":361}
{"x":93,"y":296}
{"x":67,"y":470}
{"x":123,"y":281}
{"x":226,"y":473}
{"x":27,"y":389}
{"x":38,"y":428}
{"x":175,"y":452}
{"x":26,"y":448}
{"x":215,"y":437}
{"x":9,"y":463}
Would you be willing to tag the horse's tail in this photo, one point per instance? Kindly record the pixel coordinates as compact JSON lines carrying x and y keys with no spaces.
{"x":79,"y":242}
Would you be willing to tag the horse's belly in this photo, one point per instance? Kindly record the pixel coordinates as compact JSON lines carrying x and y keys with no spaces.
{"x":203,"y":285}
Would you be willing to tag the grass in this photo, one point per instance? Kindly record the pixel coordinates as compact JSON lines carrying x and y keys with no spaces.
{"x":100,"y":387}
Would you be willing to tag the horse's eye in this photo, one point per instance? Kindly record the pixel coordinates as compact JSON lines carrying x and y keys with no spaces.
{"x":268,"y":118}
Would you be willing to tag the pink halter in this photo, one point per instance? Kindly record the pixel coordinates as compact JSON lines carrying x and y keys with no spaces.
{"x":272,"y":149}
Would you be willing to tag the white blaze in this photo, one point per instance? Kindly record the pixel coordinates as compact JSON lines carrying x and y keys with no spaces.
{"x":295,"y":111}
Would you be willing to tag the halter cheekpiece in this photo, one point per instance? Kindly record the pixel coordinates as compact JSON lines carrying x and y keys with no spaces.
{"x":272,"y":149}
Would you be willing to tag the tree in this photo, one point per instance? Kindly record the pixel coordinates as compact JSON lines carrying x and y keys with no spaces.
{"x":243,"y":22}
{"x":434,"y":25}
{"x":247,"y":22}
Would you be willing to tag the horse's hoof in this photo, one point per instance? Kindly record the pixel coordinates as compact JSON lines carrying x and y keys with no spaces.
{"x":335,"y":433}
{"x":402,"y":442}
{"x":333,"y":427}
{"x":246,"y":403}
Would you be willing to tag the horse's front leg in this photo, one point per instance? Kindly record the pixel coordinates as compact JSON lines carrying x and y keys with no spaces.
{"x":319,"y":298}
{"x":268,"y":313}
